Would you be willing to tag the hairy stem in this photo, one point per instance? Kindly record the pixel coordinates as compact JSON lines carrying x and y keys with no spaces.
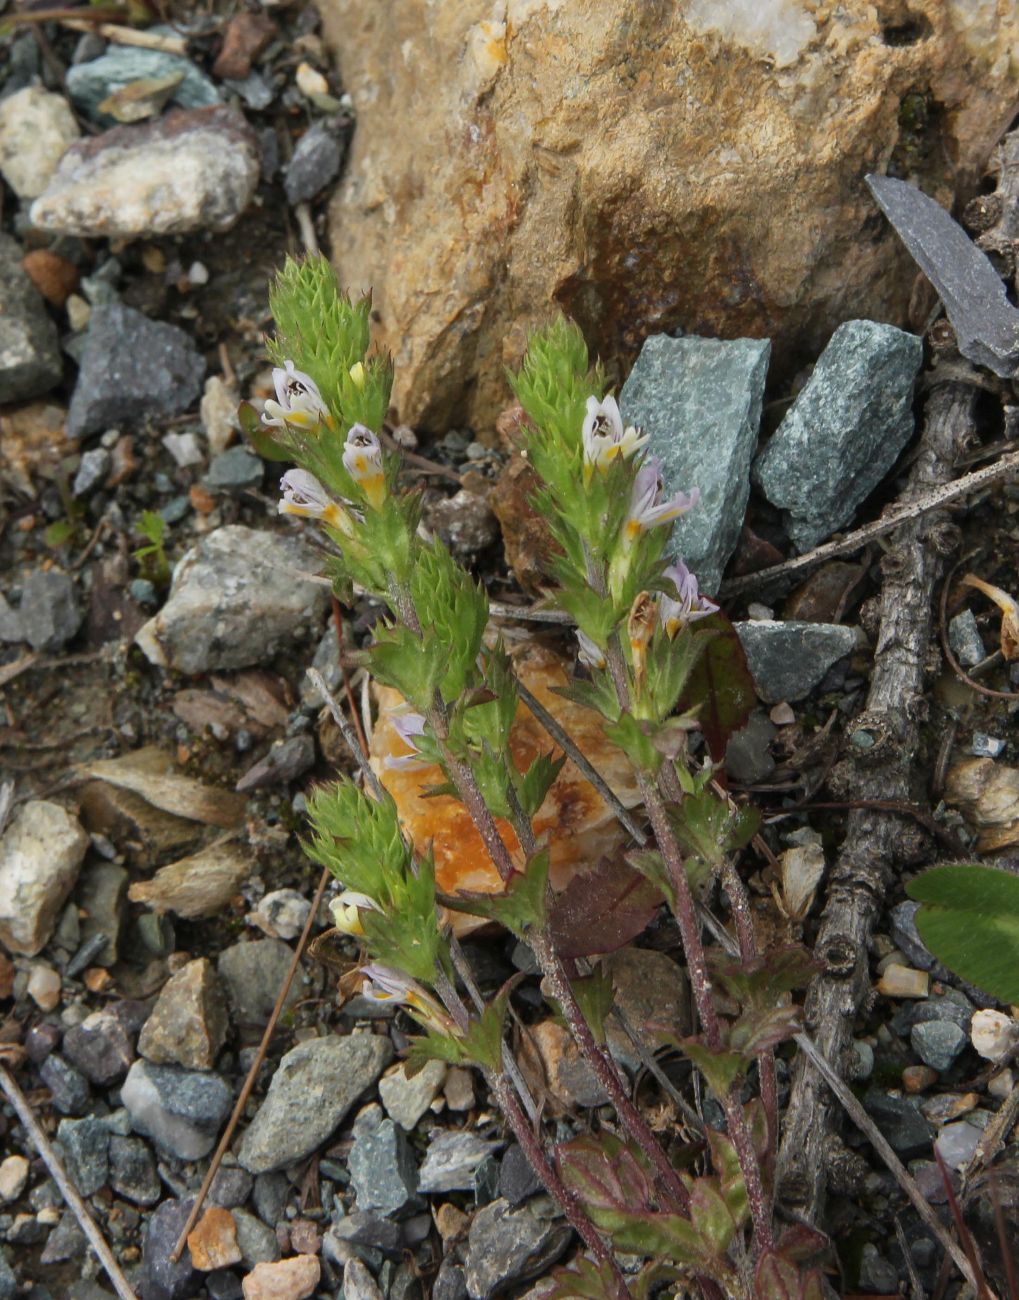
{"x":531,"y":1145}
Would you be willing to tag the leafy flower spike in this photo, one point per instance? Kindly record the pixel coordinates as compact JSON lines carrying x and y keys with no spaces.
{"x":690,"y":605}
{"x":362,"y":459}
{"x":347,"y":908}
{"x":604,"y":437}
{"x":304,"y":496}
{"x":647,"y":510}
{"x":299,"y":404}
{"x":589,"y":653}
{"x":387,"y":985}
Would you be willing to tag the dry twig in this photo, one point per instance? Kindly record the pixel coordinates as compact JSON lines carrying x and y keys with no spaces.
{"x":252,"y":1074}
{"x":67,"y":1189}
{"x":121,"y":35}
{"x":912,"y":508}
{"x":877,"y":843}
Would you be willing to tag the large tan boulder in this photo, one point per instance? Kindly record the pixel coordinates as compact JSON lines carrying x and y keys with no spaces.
{"x":646,"y":166}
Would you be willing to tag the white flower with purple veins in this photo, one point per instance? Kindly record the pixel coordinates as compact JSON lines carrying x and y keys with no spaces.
{"x":589,"y":653}
{"x":604,"y":437}
{"x":304,"y":496}
{"x":647,"y":509}
{"x":689,"y":606}
{"x":362,"y":459}
{"x":298,"y":402}
{"x":387,"y":985}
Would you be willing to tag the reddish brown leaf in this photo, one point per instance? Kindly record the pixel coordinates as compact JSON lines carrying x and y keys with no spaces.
{"x":603,"y":909}
{"x":721,"y":685}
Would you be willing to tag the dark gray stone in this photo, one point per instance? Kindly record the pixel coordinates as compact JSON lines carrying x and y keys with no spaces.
{"x":92,"y":472}
{"x":368,"y":1231}
{"x":256,"y":1242}
{"x":30,"y":362}
{"x":952,"y":1006}
{"x":451,"y":1161}
{"x":12,"y":631}
{"x":844,"y":431}
{"x":486,"y":1180}
{"x":938,"y":1043}
{"x":132,"y":368}
{"x":907,"y":937}
{"x":66,"y":1241}
{"x":252,"y":974}
{"x":383,"y":1170}
{"x":231,"y":1187}
{"x":88,"y":84}
{"x":133,"y":1172}
{"x":270,"y":1197}
{"x":986,"y":324}
{"x":234,"y":470}
{"x":100,"y":1047}
{"x":450,"y":1283}
{"x":965,"y":639}
{"x":180,"y":1110}
{"x":878,"y":1275}
{"x":506,"y":1247}
{"x":8,"y":1282}
{"x":85,"y":1144}
{"x":787,"y":660}
{"x":102,"y":893}
{"x":700,"y":400}
{"x":314,"y":1087}
{"x":314,"y":165}
{"x":68,"y":1086}
{"x":222,"y":1284}
{"x":748,"y":756}
{"x":50,"y":613}
{"x":161,"y":1278}
{"x":899,"y":1119}
{"x":284,"y":763}
{"x":517,"y":1179}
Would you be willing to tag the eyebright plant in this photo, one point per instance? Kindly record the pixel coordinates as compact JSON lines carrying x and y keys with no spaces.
{"x":656,"y":659}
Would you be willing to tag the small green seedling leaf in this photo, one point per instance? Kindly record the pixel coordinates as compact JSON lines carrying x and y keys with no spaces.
{"x":969,"y":919}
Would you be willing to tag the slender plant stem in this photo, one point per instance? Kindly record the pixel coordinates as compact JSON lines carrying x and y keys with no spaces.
{"x":531,"y":1145}
{"x":552,"y":968}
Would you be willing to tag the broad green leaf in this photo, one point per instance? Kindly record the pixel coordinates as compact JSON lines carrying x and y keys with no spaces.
{"x":585,"y":1279}
{"x":730,"y":1176}
{"x":969,"y":919}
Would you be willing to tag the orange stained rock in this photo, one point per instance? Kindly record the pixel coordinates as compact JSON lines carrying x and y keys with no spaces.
{"x":576,"y":821}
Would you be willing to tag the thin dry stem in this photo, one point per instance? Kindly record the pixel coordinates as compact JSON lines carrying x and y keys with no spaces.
{"x":252,"y":1074}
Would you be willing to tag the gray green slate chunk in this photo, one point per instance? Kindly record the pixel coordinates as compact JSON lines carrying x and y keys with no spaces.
{"x":700,"y":400}
{"x":845,"y":430}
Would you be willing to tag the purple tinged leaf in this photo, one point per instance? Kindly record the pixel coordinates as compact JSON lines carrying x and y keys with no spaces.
{"x":601,"y":910}
{"x":721,"y":685}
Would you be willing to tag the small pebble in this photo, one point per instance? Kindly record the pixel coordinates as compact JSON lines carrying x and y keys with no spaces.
{"x":985,"y":746}
{"x":992,"y":1033}
{"x":947,"y":1106}
{"x":956,"y":1144}
{"x":903,"y":982}
{"x":918,"y":1078}
{"x":782,"y":714}
{"x":198,"y":273}
{"x":1001,"y":1084}
{"x":92,"y":472}
{"x":184,"y":448}
{"x":938,"y":1042}
{"x":965,"y":639}
{"x":44,"y":986}
{"x":13,"y":1177}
